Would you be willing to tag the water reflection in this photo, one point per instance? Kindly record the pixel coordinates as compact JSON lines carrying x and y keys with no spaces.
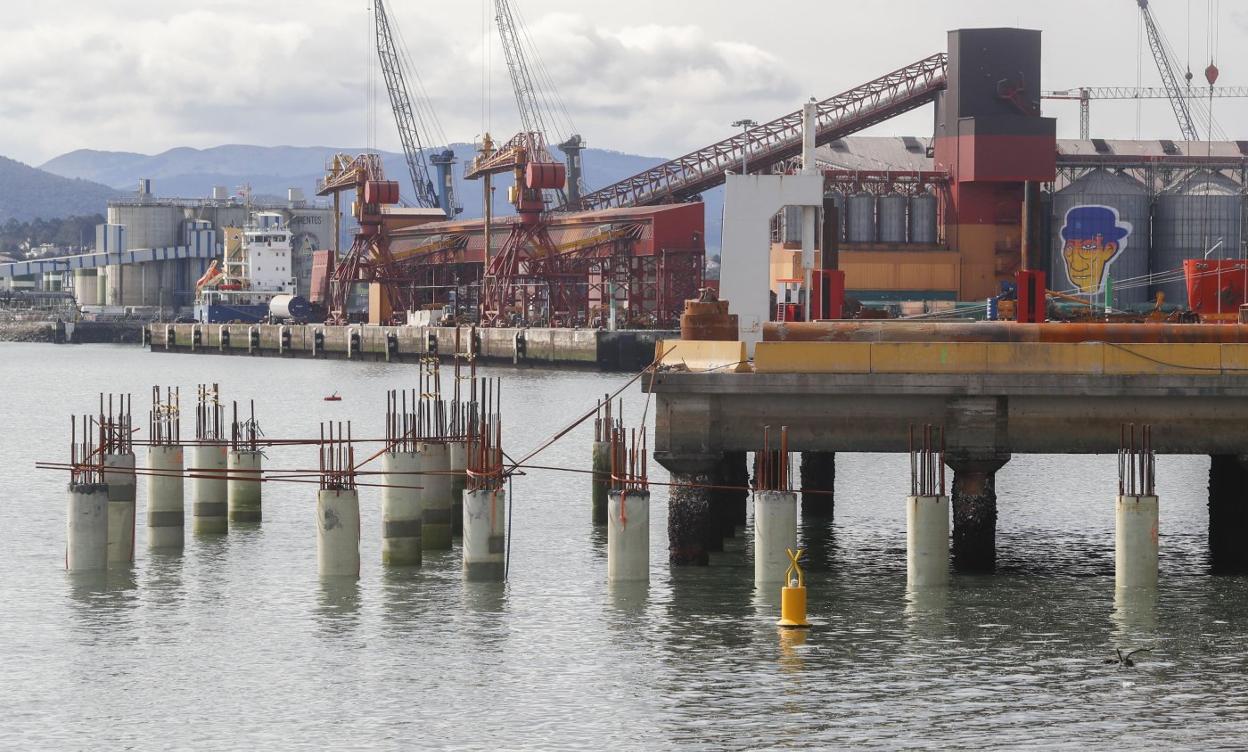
{"x":926,"y":612}
{"x":1135,"y":615}
{"x":103,"y":600}
{"x":629,"y":598}
{"x":816,"y":537}
{"x":338,"y":604}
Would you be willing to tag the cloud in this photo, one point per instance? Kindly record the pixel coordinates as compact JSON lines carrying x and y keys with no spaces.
{"x":137,"y":76}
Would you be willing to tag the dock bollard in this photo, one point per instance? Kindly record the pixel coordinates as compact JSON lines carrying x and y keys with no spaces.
{"x":86,"y":528}
{"x":209,"y":504}
{"x":401,"y":508}
{"x":793,"y":595}
{"x":119,"y":478}
{"x":485,"y":534}
{"x":165,"y":510}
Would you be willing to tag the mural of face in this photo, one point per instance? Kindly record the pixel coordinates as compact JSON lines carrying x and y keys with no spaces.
{"x":1092,"y":237}
{"x":1085,"y":261}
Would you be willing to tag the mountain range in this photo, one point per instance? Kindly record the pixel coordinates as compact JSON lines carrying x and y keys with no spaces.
{"x":270,"y":170}
{"x":28,"y":193}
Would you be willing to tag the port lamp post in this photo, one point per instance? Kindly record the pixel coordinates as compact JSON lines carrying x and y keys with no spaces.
{"x":745,"y":126}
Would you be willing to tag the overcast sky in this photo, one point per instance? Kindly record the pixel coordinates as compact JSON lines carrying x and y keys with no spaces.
{"x":658,"y":77}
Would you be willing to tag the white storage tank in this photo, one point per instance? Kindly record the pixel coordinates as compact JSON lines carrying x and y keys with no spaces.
{"x":861,"y":215}
{"x":923,"y":227}
{"x":892,"y":214}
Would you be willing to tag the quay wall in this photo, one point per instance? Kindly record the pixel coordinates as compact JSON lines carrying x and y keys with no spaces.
{"x":584,"y":348}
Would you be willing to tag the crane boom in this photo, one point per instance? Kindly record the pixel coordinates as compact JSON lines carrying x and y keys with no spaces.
{"x":426,"y":194}
{"x":1182,"y":112}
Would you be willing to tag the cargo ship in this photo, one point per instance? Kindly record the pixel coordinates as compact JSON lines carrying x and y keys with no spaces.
{"x":254,"y":281}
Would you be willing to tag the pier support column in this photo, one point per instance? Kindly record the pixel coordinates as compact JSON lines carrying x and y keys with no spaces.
{"x":628,"y":536}
{"x":459,"y":466}
{"x":436,"y":503}
{"x":1228,"y":513}
{"x":927,"y":541}
{"x":689,"y":519}
{"x":819,"y":475}
{"x":975,"y":512}
{"x":166,"y":513}
{"x":1135,"y":542}
{"x":775,"y":531}
{"x":734,"y":497}
{"x":209,"y":501}
{"x":119,"y":477}
{"x":485,"y":535}
{"x":338,"y":533}
{"x":243,"y":488}
{"x":86,"y":528}
{"x":601,"y":481}
{"x":401,"y":508}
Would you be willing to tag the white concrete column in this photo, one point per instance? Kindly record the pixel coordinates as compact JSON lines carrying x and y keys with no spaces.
{"x":927,"y":540}
{"x":86,"y":528}
{"x":166,"y":515}
{"x":600,"y":481}
{"x":119,"y":477}
{"x":243,"y":487}
{"x":485,"y":534}
{"x":401,"y":508}
{"x":459,"y":464}
{"x":338,"y":533}
{"x":628,"y":536}
{"x":209,"y":499}
{"x":436,"y":502}
{"x":1135,"y":542}
{"x":775,"y":531}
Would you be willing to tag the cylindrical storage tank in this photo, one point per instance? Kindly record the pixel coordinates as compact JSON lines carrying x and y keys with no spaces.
{"x":923,"y":227}
{"x":860,"y":227}
{"x":436,"y":503}
{"x":148,"y":225}
{"x":289,"y":307}
{"x":381,"y":192}
{"x":86,"y":528}
{"x":838,"y":200}
{"x":86,"y":287}
{"x":791,"y":224}
{"x":1192,"y":215}
{"x":892,"y":218}
{"x":628,"y":536}
{"x":1114,"y":208}
{"x":542,"y":175}
{"x":485,"y":534}
{"x":338,"y":533}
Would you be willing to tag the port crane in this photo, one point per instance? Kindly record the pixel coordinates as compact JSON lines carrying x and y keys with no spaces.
{"x":427,"y":194}
{"x":1085,"y":94}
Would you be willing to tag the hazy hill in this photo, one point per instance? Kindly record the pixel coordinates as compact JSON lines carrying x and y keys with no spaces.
{"x":28,"y":193}
{"x":271,"y":170}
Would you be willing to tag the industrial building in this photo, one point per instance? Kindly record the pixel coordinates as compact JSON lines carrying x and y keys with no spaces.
{"x":153,"y":249}
{"x":1175,"y":200}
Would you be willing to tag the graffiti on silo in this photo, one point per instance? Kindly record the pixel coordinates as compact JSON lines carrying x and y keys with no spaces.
{"x":1093,"y":237}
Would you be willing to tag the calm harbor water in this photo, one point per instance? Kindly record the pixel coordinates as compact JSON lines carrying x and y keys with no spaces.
{"x":236,"y":643}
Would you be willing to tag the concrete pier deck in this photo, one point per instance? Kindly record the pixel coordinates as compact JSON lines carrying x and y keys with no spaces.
{"x":629,"y":350}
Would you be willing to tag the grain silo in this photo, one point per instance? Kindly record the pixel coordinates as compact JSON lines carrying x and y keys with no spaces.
{"x":1193,"y":215}
{"x":1099,"y":209}
{"x":860,"y":227}
{"x":892,"y":217}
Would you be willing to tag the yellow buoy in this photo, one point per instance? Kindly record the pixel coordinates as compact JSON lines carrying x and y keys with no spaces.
{"x":793,"y":595}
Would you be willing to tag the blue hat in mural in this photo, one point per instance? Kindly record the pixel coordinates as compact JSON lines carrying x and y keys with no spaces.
{"x":1086,"y":222}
